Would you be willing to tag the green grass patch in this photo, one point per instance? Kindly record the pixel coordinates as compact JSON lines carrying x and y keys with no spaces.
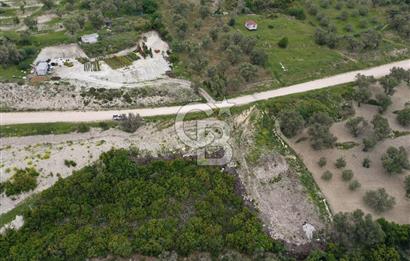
{"x":18,"y":130}
{"x":303,"y":59}
{"x":10,"y":72}
{"x":111,"y":43}
{"x":51,"y":38}
{"x":117,"y":62}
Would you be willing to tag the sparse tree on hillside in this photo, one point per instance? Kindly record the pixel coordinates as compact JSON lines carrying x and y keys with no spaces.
{"x":48,"y":4}
{"x":291,"y":123}
{"x":31,"y":23}
{"x":259,"y":57}
{"x":340,"y":163}
{"x":366,"y":163}
{"x":131,"y":122}
{"x":364,"y":81}
{"x":389,"y":84}
{"x":355,"y":229}
{"x":321,"y":118}
{"x":9,"y":54}
{"x":213,"y":33}
{"x":320,"y":137}
{"x":356,"y":125}
{"x":247,"y":44}
{"x":97,"y":19}
{"x":371,"y":39}
{"x":203,"y":11}
{"x":403,"y":117}
{"x":248,"y":71}
{"x":322,"y":162}
{"x":395,"y":160}
{"x":399,"y":73}
{"x":384,"y":101}
{"x":407,"y":186}
{"x":283,"y":43}
{"x":381,"y":127}
{"x":379,"y":200}
{"x":72,"y":25}
{"x":234,"y":54}
{"x":369,"y":142}
{"x":362,"y":95}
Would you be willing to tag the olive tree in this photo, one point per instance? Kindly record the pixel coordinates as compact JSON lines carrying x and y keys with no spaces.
{"x":362,"y":94}
{"x":384,"y":101}
{"x":131,"y":122}
{"x":248,"y":71}
{"x":379,"y":200}
{"x":259,"y":57}
{"x":356,"y":125}
{"x":381,"y":127}
{"x":320,"y":137}
{"x":321,"y":118}
{"x":389,"y":84}
{"x":407,"y":186}
{"x":291,"y":123}
{"x":403,"y":117}
{"x":395,"y":160}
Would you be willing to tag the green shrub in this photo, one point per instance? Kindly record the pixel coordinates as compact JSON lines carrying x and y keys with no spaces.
{"x":366,"y":163}
{"x":22,"y":181}
{"x":82,"y":127}
{"x":131,"y":122}
{"x":379,"y":200}
{"x":283,"y":43}
{"x":340,"y":163}
{"x":403,"y":117}
{"x":298,"y":13}
{"x":347,"y":175}
{"x":70,"y":163}
{"x":322,"y":162}
{"x":327,"y":175}
{"x":103,"y":125}
{"x":121,"y":207}
{"x":354,"y":185}
{"x":407,"y":186}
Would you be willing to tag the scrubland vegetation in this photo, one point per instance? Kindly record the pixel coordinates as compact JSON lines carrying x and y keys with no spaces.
{"x":122,"y":206}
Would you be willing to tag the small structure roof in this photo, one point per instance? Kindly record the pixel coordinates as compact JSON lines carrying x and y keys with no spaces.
{"x":251,"y":25}
{"x":42,"y":68}
{"x":90,"y":38}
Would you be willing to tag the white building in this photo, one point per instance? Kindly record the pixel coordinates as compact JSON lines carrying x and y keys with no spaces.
{"x":90,"y":38}
{"x":41,"y":68}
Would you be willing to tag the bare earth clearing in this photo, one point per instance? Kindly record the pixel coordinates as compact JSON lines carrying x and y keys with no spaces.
{"x":336,"y":190}
{"x":143,"y":69}
{"x":60,"y":96}
{"x":273,"y":187}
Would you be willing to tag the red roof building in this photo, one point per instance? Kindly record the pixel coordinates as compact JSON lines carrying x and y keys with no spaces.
{"x":251,"y":25}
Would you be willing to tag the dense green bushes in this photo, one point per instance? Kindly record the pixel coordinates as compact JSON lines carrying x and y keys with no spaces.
{"x":355,"y":236}
{"x":23,"y":180}
{"x":121,"y":207}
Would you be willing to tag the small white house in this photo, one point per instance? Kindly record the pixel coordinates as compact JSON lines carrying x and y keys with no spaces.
{"x":41,"y":68}
{"x":90,"y":38}
{"x":251,"y":25}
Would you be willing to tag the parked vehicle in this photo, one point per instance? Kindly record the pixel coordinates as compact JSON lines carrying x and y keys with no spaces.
{"x":118,"y":117}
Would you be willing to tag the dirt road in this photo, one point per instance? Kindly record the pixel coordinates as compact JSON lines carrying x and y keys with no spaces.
{"x":77,"y":116}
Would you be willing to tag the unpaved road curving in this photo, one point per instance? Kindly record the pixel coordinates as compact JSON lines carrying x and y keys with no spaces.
{"x":77,"y":116}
